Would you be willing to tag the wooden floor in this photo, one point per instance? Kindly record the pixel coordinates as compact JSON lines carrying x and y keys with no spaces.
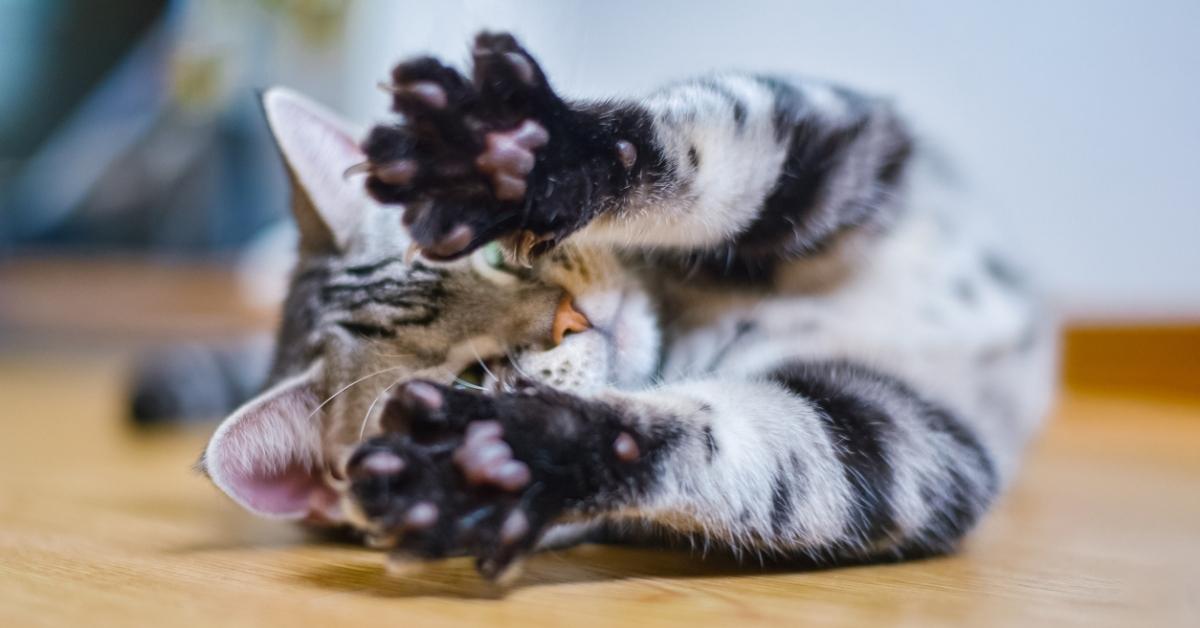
{"x":104,"y":525}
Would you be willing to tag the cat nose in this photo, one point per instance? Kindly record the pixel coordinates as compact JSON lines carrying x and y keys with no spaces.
{"x":567,"y":319}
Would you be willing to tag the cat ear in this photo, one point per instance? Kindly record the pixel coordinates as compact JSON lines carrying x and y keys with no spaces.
{"x":318,"y":147}
{"x":266,"y":455}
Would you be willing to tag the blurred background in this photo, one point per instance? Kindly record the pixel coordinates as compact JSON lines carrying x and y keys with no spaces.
{"x":137,"y":176}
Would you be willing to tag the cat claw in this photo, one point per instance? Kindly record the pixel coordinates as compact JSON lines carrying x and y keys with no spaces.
{"x":520,"y":247}
{"x":399,"y":173}
{"x":362,"y":167}
{"x":411,"y":253}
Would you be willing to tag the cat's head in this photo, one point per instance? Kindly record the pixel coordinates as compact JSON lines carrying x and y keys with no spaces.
{"x":360,"y":317}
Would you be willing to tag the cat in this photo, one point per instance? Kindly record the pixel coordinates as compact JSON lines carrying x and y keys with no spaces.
{"x":735,"y":312}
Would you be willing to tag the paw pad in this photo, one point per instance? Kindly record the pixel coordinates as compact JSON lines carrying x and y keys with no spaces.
{"x":396,"y":172}
{"x":421,"y":516}
{"x":509,"y":157}
{"x":485,"y":459}
{"x":450,"y":244}
{"x":514,"y":528}
{"x":428,"y":92}
{"x":382,"y":463}
{"x":415,"y":406}
{"x":626,"y":153}
{"x":626,"y":448}
{"x":466,"y":151}
{"x":501,"y":51}
{"x":521,"y":67}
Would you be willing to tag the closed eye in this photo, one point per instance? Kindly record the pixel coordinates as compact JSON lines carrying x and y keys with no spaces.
{"x":367,"y":330}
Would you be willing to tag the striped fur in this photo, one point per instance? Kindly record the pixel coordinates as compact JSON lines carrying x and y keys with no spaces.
{"x":848,"y":367}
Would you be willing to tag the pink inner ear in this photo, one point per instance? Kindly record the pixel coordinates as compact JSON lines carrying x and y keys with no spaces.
{"x":291,"y":491}
{"x":266,"y":456}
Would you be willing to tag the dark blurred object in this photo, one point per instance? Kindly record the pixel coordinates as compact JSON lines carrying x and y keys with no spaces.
{"x":54,"y":57}
{"x":135,"y":125}
{"x":87,"y":82}
{"x":55,"y":54}
{"x":196,"y":382}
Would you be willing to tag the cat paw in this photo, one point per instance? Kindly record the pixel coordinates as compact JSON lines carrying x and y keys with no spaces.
{"x":445,"y":480}
{"x":464,"y":160}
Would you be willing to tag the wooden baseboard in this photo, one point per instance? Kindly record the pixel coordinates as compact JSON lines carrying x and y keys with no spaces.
{"x":1152,"y":359}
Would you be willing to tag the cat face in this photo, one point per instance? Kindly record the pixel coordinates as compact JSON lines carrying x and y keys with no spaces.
{"x":361,"y":316}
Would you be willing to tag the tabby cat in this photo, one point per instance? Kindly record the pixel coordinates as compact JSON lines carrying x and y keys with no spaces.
{"x":733,"y":312}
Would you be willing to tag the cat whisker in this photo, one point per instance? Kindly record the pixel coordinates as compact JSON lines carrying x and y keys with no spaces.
{"x":381,"y":354}
{"x":464,"y":383}
{"x":512,"y":361}
{"x":362,"y":430}
{"x":482,"y":363}
{"x":348,"y":386}
{"x":507,"y":384}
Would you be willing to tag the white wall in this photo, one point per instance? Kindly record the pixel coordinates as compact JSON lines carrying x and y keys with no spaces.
{"x":1076,"y":122}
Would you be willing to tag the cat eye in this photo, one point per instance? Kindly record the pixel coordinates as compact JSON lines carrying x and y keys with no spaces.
{"x":494,"y":257}
{"x":481,"y":374}
{"x":471,"y":377}
{"x":491,"y":262}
